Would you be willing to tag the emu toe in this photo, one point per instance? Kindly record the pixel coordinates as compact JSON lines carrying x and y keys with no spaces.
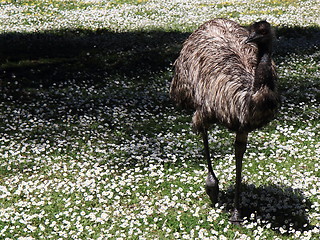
{"x":236,"y":218}
{"x":212,"y":188}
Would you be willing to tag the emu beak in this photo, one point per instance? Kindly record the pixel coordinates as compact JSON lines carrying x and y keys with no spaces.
{"x":253,"y":36}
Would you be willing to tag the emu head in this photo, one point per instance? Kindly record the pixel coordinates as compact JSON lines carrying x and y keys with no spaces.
{"x":260,"y":33}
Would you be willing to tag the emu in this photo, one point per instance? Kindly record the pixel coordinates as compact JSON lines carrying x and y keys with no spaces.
{"x":225,"y":73}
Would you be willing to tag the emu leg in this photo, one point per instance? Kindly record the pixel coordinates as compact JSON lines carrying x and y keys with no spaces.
{"x":212,"y":183}
{"x":240,"y":148}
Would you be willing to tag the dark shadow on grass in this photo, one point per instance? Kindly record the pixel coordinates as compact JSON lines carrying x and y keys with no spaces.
{"x":298,"y":46}
{"x":296,"y":40}
{"x":276,"y":206}
{"x":32,"y":61}
{"x":39,"y":72}
{"x":54,"y":56}
{"x":42,"y":70}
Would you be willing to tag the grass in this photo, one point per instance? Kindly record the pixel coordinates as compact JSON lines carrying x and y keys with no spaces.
{"x":92,"y":147}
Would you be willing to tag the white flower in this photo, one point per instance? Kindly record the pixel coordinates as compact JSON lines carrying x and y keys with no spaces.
{"x":104,"y":216}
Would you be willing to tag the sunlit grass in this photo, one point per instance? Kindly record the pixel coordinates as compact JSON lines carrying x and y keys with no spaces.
{"x":92,"y":147}
{"x":123,"y":15}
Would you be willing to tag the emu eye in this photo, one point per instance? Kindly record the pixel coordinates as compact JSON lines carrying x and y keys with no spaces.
{"x":263,"y":31}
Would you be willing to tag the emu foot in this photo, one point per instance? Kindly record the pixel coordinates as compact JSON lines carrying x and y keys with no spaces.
{"x":236,"y":218}
{"x":212,"y":188}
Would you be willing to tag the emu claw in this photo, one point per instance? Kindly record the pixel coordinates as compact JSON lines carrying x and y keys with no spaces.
{"x":236,"y":218}
{"x":212,"y":188}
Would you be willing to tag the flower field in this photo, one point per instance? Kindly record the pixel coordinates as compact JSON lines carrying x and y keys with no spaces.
{"x":91,"y":147}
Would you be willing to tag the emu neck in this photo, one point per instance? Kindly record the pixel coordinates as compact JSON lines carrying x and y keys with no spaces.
{"x":263,"y":73}
{"x":264,"y":53}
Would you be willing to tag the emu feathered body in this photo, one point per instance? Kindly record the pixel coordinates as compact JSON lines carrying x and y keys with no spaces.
{"x":223,"y":78}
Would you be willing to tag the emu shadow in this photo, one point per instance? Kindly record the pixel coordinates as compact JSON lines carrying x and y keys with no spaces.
{"x":279,"y":206}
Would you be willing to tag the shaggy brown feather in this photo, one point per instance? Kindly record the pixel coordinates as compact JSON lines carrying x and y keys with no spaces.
{"x":217,"y":75}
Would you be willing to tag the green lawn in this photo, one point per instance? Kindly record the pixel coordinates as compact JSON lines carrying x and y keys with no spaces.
{"x":92,"y":148}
